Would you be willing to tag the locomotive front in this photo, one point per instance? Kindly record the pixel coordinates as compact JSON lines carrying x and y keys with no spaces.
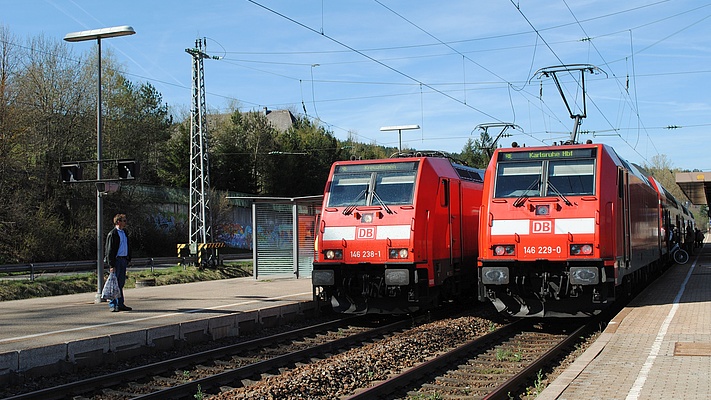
{"x":540,"y":248}
{"x":397,"y":235}
{"x":363,"y":261}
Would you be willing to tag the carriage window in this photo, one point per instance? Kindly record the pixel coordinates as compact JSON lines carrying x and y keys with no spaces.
{"x":571,"y":177}
{"x":518,"y":179}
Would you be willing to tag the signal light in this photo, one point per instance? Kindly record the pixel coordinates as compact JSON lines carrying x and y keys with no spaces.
{"x":333,"y":254}
{"x":581,"y":249}
{"x":398,"y":253}
{"x":504,"y":250}
{"x":128,"y":169}
{"x":71,"y":172}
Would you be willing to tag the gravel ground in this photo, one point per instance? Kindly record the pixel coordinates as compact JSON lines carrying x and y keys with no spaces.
{"x":343,"y":373}
{"x":340,"y":375}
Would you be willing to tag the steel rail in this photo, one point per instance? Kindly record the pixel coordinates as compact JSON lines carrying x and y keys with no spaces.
{"x":210,"y":383}
{"x":389,"y":386}
{"x":117,"y":378}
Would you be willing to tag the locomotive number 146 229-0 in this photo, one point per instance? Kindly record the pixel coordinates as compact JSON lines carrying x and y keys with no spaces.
{"x":542,"y":250}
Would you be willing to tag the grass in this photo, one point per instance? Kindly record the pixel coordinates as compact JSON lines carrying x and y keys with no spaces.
{"x":86,"y":282}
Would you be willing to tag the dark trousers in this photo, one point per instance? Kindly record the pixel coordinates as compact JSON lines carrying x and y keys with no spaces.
{"x":120,"y":271}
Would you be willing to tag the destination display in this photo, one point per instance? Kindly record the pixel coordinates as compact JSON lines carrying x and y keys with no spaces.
{"x":547,"y":154}
{"x":391,"y":166}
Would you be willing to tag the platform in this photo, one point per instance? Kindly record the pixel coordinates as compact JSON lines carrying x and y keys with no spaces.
{"x":659,"y":347}
{"x":51,"y":334}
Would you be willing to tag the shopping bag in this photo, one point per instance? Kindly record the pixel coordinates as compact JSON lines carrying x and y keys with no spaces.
{"x":111,"y":289}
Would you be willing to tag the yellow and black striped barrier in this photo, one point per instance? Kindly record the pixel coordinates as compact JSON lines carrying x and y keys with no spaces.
{"x":207,"y":253}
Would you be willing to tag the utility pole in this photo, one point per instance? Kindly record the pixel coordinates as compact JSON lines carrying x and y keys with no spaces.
{"x":200,"y":218}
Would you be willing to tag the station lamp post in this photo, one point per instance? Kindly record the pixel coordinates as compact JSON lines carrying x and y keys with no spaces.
{"x":98,"y":34}
{"x":399,"y":129}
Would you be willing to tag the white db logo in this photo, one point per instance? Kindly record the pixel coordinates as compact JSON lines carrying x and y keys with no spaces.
{"x":365,"y":233}
{"x":542,"y":226}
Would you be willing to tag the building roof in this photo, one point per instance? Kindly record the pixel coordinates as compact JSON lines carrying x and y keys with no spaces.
{"x":695,"y":185}
{"x":281,"y":120}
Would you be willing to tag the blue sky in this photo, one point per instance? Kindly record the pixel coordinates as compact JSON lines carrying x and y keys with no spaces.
{"x":447,"y":66}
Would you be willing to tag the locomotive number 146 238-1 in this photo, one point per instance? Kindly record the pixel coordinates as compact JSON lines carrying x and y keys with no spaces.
{"x":365,"y":253}
{"x":542,"y":250}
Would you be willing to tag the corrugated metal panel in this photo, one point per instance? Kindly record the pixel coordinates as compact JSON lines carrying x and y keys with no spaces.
{"x":274,"y":240}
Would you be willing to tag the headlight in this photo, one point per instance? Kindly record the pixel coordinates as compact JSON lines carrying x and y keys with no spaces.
{"x":543,"y":209}
{"x":333,"y":254}
{"x":581,"y":249}
{"x":584,"y":276}
{"x":495,"y":275}
{"x":397,"y":277}
{"x":398,"y":253}
{"x":323,"y":277}
{"x":504,"y":250}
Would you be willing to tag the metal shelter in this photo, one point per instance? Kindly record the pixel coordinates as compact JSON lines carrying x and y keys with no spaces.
{"x":695,"y":185}
{"x":284,"y":231}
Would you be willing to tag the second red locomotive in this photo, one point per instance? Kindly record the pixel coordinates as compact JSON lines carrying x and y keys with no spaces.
{"x":397,"y":235}
{"x":565,"y":230}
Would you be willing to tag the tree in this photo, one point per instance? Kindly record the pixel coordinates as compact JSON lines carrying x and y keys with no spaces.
{"x":49,"y":123}
{"x":137,"y":124}
{"x":303,"y":159}
{"x":476,"y":152}
{"x":235,"y":152}
{"x":661,"y":169}
{"x":173,"y":167}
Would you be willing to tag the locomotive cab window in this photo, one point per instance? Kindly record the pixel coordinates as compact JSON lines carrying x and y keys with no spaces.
{"x":396,"y":188}
{"x":571,"y":177}
{"x":547,"y":177}
{"x":348,"y":189}
{"x":518,"y":179}
{"x":373,"y":184}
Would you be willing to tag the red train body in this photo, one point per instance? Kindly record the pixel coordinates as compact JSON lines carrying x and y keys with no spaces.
{"x":397,"y":235}
{"x":565,"y":230}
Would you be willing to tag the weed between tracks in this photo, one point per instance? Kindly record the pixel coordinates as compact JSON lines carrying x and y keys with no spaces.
{"x":86,"y":282}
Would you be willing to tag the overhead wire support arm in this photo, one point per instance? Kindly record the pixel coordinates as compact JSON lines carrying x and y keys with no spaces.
{"x":552,"y":72}
{"x":502,"y":133}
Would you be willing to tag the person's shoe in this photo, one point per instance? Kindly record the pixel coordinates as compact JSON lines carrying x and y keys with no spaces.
{"x":124,"y":308}
{"x":114,"y":309}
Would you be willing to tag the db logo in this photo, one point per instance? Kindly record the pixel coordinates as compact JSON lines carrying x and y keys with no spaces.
{"x":365,"y":233}
{"x":542,"y":226}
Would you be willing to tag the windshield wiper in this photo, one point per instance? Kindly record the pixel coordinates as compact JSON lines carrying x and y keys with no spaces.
{"x":559,"y":194}
{"x":385,"y":206}
{"x":349,"y":208}
{"x":522,"y":199}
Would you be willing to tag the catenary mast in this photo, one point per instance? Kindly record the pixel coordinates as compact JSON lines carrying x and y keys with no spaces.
{"x":200,"y":218}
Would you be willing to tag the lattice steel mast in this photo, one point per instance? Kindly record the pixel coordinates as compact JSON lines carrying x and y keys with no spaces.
{"x":200,"y":218}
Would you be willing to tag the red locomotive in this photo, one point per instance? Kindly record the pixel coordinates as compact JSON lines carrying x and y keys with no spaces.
{"x":565,"y":230}
{"x":397,"y":235}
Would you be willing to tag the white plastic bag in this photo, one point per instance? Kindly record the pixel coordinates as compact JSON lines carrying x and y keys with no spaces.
{"x":111,"y":289}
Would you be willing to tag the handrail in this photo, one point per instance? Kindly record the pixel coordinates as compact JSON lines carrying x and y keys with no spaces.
{"x":76,"y":266}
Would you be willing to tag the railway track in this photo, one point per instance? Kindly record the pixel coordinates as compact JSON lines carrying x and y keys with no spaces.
{"x":498,"y":365}
{"x":473,"y":356}
{"x":205,"y":371}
